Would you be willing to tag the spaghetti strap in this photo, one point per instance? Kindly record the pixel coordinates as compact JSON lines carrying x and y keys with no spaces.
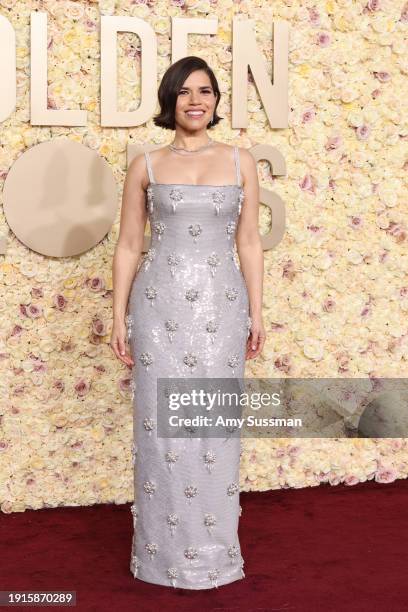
{"x":237,"y":167}
{"x":149,"y":167}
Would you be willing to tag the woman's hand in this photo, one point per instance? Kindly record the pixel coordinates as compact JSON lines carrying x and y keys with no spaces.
{"x":118,"y":345}
{"x":256,"y":340}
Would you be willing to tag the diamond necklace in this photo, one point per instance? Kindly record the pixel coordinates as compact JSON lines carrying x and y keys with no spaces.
{"x":178,"y":149}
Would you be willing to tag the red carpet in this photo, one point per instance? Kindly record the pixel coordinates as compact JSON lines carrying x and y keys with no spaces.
{"x":326,"y":548}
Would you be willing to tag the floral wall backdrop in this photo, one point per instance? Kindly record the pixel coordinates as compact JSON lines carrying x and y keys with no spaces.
{"x":336,"y":288}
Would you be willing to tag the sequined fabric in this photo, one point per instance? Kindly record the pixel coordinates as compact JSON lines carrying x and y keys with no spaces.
{"x":188,"y":316}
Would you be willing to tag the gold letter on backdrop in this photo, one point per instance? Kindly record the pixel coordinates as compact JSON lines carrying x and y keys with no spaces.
{"x":40,"y":114}
{"x":7,"y":68}
{"x":110,"y":116}
{"x":274,"y":96}
{"x":272,"y":200}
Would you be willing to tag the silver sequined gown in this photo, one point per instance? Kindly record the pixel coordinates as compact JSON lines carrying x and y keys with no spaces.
{"x":188,"y":315}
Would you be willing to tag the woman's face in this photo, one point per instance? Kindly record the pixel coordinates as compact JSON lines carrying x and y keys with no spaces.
{"x":195,"y":102}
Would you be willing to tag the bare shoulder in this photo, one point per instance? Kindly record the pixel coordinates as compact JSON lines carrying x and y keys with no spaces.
{"x":137,"y":164}
{"x":248,"y":167}
{"x":158,"y":154}
{"x":245,"y":156}
{"x":223,"y":148}
{"x":137,"y":170}
{"x":135,"y":174}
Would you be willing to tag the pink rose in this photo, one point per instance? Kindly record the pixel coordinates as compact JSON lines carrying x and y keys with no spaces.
{"x":306,"y":184}
{"x":314,"y":16}
{"x":385,"y":475}
{"x":16,"y":331}
{"x":33,"y":311}
{"x":98,"y":327}
{"x":382,"y":76}
{"x":82,"y":388}
{"x":60,"y":301}
{"x":283,"y":364}
{"x":308,"y":116}
{"x":363,"y":132}
{"x":125,"y":384}
{"x":373,"y":5}
{"x":37,"y":292}
{"x":323,"y":39}
{"x":329,"y":305}
{"x":59,"y":385}
{"x":333,"y":142}
{"x":95,"y":284}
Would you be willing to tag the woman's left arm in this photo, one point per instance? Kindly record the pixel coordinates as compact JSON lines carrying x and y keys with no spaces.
{"x":250,"y":251}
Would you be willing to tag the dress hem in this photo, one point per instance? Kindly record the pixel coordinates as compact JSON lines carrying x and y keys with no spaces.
{"x":179,"y":585}
{"x":239,"y":574}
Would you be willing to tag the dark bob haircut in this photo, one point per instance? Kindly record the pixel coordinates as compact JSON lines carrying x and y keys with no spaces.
{"x":171,"y":83}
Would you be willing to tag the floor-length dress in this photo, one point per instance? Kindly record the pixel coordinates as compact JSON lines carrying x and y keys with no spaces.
{"x":188,"y":315}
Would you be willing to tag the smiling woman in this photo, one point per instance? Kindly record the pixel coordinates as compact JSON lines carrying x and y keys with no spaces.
{"x":196,"y":99}
{"x":189,"y":314}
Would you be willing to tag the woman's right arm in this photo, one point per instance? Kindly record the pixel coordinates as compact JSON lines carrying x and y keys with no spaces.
{"x":128,"y":251}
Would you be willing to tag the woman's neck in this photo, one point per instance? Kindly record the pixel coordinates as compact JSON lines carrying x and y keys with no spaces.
{"x":191,"y":141}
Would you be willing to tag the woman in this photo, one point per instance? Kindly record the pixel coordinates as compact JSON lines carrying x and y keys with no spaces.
{"x":192,"y":312}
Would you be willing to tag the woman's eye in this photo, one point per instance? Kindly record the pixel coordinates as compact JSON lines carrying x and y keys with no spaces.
{"x":206,"y":91}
